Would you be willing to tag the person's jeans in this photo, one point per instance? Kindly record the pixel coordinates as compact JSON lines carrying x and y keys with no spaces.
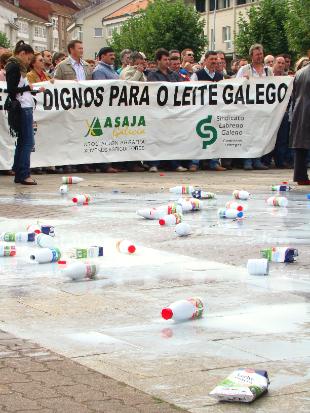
{"x":300,"y":165}
{"x":25,"y":143}
{"x":252,"y":162}
{"x":213,"y":163}
{"x":281,"y":153}
{"x":194,"y":162}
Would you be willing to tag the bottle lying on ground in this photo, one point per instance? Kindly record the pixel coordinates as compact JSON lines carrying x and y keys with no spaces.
{"x":183,"y":310}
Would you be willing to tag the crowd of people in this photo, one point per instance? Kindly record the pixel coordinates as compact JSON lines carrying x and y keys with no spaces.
{"x":22,"y":68}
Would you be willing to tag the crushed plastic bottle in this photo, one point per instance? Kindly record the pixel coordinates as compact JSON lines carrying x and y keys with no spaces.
{"x":46,"y":255}
{"x":18,"y":237}
{"x":36,"y":228}
{"x":161,"y":211}
{"x":281,"y":188}
{"x":45,"y":241}
{"x":235,"y":205}
{"x":172,"y":219}
{"x":183,"y":229}
{"x":230,"y":213}
{"x":183,"y":310}
{"x":190,"y":204}
{"x":90,"y":252}
{"x":7,"y":250}
{"x":182,"y":189}
{"x":64,"y":189}
{"x":199,"y":194}
{"x":125,"y":247}
{"x":279,"y":201}
{"x":48,"y":230}
{"x":71,"y":180}
{"x":81,"y":199}
{"x":280,"y":254}
{"x":243,"y":195}
{"x":81,"y":271}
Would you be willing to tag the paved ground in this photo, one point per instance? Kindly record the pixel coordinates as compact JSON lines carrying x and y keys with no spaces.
{"x":113,"y":326}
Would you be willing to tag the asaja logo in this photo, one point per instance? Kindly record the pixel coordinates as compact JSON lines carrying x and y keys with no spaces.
{"x":207,"y":133}
{"x":126,"y":123}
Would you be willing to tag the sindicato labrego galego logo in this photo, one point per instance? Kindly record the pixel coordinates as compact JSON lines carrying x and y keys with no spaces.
{"x":207,"y":132}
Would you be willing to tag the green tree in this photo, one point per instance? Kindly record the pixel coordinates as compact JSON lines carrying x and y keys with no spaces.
{"x":264,"y":23}
{"x":4,"y":41}
{"x":298,"y":26}
{"x":165,"y":23}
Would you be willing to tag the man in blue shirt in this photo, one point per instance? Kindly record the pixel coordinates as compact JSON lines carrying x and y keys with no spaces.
{"x":105,"y":68}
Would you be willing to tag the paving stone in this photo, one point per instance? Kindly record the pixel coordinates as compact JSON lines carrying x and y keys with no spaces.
{"x":65,"y":404}
{"x":33,"y":390}
{"x":8,"y":375}
{"x":16,"y":401}
{"x":80,"y":392}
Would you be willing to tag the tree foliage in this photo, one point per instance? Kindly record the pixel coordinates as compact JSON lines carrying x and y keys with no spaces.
{"x":4,"y":41}
{"x":165,"y":23}
{"x":264,"y":23}
{"x":298,"y":26}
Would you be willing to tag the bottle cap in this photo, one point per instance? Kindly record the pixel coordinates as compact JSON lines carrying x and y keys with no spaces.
{"x":74,"y":200}
{"x":131,"y":249}
{"x":167,"y":313}
{"x":240,"y":208}
{"x":240,"y":214}
{"x":162,"y":222}
{"x":308,"y":196}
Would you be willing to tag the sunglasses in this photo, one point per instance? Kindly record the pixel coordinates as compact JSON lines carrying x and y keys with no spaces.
{"x":190,"y":54}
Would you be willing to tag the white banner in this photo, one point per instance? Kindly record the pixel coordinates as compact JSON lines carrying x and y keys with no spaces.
{"x":110,"y":121}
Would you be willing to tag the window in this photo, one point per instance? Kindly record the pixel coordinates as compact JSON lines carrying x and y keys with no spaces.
{"x":111,"y":28}
{"x":226,"y":4}
{"x":55,"y":23}
{"x":227,"y":36}
{"x":98,"y":32}
{"x":201,"y":6}
{"x":40,"y":31}
{"x":23,"y":27}
{"x":212,"y":5}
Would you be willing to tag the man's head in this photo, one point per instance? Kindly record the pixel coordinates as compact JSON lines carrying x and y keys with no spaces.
{"x":107,"y":55}
{"x":235,"y":65}
{"x":219,"y":67}
{"x":175,"y":53}
{"x":187,"y":56}
{"x":136,"y":59}
{"x":124,"y":57}
{"x":162,"y":59}
{"x":222,"y":57}
{"x":47,"y":58}
{"x":210,"y":61}
{"x":75,"y":49}
{"x":243,"y":62}
{"x":269,"y":60}
{"x":57,"y":58}
{"x":288,"y":61}
{"x":256,"y":53}
{"x":175,"y":63}
{"x":279,"y":66}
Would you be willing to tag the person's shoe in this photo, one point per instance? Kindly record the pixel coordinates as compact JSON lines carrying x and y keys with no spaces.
{"x":37,"y":171}
{"x":111,"y":170}
{"x":28,"y":181}
{"x":219,"y":168}
{"x":193,"y":168}
{"x":153,"y":169}
{"x":181,"y":169}
{"x":51,"y":170}
{"x":248,"y":167}
{"x":10,"y":173}
{"x":137,"y":168}
{"x":260,"y":167}
{"x":306,"y":182}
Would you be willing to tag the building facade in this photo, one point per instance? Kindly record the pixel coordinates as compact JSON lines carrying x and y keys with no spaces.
{"x":221,"y":17}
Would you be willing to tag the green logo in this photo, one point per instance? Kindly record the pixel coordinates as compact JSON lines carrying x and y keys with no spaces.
{"x":206,"y":132}
{"x":94,"y":129}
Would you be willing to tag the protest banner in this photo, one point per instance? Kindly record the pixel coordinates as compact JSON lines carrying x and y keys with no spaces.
{"x":115,"y":121}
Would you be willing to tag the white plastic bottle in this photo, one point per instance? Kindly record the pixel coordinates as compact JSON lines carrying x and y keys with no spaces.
{"x":150,"y":213}
{"x":81,"y":271}
{"x":71,"y":180}
{"x":183,"y":310}
{"x":190,"y":204}
{"x":45,"y":241}
{"x":235,"y":205}
{"x":63,"y":189}
{"x":197,"y":193}
{"x":183,"y":229}
{"x":241,"y":195}
{"x":182,"y":189}
{"x":7,"y":250}
{"x":90,"y":252}
{"x":284,"y":187}
{"x":17,"y":237}
{"x":172,"y":219}
{"x":230,"y":213}
{"x":81,"y":199}
{"x":279,"y":201}
{"x":125,"y":247}
{"x":45,"y":255}
{"x":36,"y":228}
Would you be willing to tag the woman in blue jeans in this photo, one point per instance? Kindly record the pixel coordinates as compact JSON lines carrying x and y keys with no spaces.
{"x":20,"y":91}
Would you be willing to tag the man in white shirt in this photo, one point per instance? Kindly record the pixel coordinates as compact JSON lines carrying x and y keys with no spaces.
{"x":255,"y":69}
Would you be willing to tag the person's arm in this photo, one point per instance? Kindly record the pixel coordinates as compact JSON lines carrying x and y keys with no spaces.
{"x":12,"y":79}
{"x":135,"y":77}
{"x":58,"y":72}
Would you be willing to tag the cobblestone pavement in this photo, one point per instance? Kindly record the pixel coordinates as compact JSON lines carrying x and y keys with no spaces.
{"x":33,"y":379}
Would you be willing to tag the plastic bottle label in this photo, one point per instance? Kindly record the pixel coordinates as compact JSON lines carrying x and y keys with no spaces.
{"x":9,"y":237}
{"x":90,"y":271}
{"x":56,"y":255}
{"x":198,"y":304}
